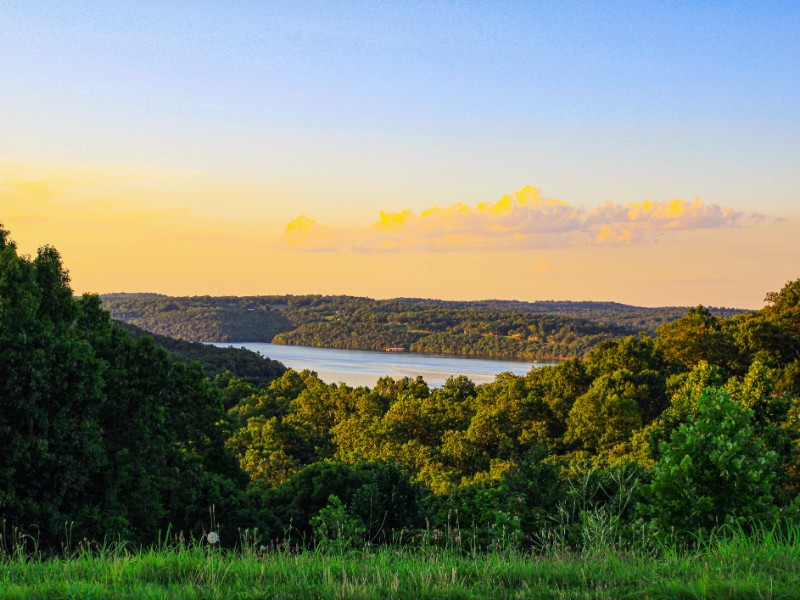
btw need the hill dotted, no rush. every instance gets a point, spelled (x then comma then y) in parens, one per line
(240, 362)
(487, 328)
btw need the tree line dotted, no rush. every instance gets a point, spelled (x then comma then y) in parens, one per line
(492, 328)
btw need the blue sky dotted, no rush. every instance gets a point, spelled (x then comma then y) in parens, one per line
(338, 110)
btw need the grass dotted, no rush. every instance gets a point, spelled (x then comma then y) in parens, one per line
(764, 565)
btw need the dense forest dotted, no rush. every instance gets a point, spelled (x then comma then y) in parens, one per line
(490, 328)
(216, 362)
(200, 319)
(675, 434)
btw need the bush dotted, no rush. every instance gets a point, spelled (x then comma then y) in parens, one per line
(334, 528)
(713, 470)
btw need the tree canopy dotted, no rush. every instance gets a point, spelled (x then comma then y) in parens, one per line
(104, 431)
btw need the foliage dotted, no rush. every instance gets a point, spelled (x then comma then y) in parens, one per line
(699, 336)
(242, 363)
(104, 431)
(539, 330)
(99, 430)
(333, 527)
(200, 318)
(713, 469)
(51, 396)
(381, 497)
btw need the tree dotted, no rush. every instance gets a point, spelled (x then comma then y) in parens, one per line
(560, 386)
(634, 354)
(784, 307)
(699, 336)
(685, 389)
(381, 496)
(50, 397)
(163, 428)
(96, 428)
(607, 414)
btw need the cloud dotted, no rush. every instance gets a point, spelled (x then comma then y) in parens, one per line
(618, 224)
(523, 220)
(306, 234)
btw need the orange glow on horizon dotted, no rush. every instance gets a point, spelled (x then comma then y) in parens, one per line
(114, 235)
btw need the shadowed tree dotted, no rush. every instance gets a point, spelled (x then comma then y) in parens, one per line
(96, 428)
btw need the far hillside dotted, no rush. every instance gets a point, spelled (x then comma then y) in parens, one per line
(640, 318)
(487, 328)
(200, 318)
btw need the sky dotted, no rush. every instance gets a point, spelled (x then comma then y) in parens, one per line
(641, 152)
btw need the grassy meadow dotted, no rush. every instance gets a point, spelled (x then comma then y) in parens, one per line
(730, 564)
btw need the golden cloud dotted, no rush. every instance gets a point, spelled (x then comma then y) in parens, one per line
(522, 220)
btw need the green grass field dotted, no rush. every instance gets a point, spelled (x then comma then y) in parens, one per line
(737, 566)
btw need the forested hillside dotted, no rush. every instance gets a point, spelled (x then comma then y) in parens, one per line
(491, 328)
(666, 437)
(638, 318)
(201, 318)
(245, 364)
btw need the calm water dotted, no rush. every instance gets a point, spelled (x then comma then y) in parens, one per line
(359, 367)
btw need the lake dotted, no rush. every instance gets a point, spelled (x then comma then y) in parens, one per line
(361, 367)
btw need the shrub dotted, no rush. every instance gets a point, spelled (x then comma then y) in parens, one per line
(334, 528)
(713, 469)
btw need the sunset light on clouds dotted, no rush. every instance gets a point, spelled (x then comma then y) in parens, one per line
(524, 220)
(640, 153)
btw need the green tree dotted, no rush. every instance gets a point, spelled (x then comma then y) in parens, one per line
(784, 308)
(335, 528)
(96, 428)
(634, 354)
(685, 389)
(50, 397)
(608, 414)
(699, 336)
(559, 386)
